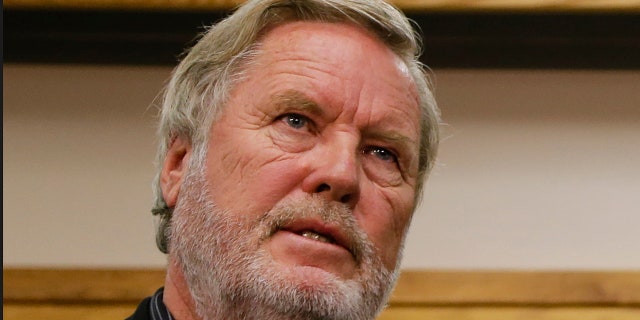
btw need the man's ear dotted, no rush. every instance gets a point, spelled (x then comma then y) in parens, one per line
(174, 169)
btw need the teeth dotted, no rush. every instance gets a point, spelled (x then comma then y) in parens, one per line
(314, 236)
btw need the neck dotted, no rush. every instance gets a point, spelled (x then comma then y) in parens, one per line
(177, 297)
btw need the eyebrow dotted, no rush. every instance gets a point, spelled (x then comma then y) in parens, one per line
(407, 145)
(296, 100)
(393, 136)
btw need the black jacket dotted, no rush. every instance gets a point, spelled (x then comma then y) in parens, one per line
(143, 312)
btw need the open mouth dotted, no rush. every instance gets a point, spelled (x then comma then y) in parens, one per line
(316, 229)
(313, 229)
(310, 234)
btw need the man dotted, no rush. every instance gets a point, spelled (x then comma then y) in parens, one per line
(295, 139)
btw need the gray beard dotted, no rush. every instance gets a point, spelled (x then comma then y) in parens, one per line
(230, 276)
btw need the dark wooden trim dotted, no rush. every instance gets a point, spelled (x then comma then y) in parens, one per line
(72, 286)
(472, 40)
(441, 5)
(101, 36)
(531, 40)
(517, 288)
(415, 288)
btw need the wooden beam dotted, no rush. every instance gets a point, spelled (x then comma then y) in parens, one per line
(517, 288)
(521, 5)
(469, 40)
(79, 285)
(510, 313)
(121, 311)
(51, 311)
(415, 287)
(437, 5)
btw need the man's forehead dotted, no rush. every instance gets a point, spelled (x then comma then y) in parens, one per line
(343, 50)
(332, 40)
(296, 36)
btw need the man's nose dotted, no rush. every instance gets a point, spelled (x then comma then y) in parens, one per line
(335, 172)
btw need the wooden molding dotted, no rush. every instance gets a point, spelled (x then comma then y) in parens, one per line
(80, 285)
(452, 39)
(517, 288)
(434, 5)
(415, 288)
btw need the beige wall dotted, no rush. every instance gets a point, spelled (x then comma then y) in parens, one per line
(538, 170)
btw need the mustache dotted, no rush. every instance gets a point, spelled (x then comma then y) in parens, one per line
(336, 214)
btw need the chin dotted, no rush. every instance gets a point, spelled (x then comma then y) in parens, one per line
(310, 277)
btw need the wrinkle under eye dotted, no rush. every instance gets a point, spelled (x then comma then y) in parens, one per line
(382, 166)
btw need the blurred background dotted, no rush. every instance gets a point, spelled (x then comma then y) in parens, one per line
(532, 211)
(538, 168)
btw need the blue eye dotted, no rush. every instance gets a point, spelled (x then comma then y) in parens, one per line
(382, 154)
(295, 121)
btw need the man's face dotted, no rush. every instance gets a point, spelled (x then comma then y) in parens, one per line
(311, 168)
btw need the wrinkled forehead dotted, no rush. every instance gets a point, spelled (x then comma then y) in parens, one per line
(339, 71)
(331, 36)
(340, 50)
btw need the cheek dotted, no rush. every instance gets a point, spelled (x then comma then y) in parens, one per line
(385, 215)
(249, 177)
(271, 183)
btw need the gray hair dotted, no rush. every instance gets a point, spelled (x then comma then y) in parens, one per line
(200, 84)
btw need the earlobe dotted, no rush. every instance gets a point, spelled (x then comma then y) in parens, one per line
(173, 170)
